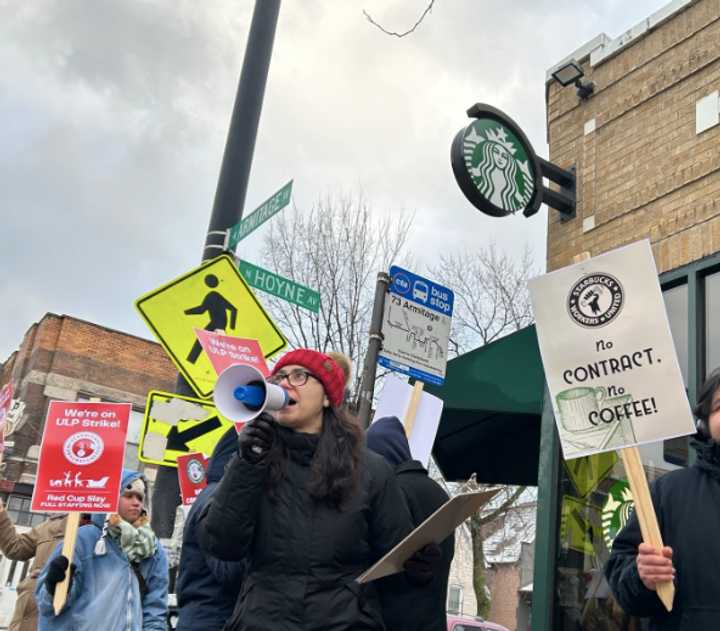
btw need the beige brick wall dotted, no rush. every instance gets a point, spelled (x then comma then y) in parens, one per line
(643, 172)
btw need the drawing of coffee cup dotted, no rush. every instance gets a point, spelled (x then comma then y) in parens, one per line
(623, 432)
(576, 404)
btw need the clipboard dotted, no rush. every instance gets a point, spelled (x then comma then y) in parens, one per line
(434, 529)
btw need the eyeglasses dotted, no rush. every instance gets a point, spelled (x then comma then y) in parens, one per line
(295, 377)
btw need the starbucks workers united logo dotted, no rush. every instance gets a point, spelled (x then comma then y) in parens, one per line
(498, 165)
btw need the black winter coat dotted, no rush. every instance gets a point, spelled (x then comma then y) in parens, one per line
(207, 588)
(408, 607)
(687, 503)
(303, 555)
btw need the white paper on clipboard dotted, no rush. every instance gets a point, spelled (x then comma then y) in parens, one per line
(433, 530)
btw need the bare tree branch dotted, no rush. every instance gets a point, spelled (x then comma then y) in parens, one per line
(394, 33)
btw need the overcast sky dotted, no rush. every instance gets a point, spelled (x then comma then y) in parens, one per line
(114, 116)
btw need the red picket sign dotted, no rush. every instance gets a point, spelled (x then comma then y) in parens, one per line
(192, 475)
(226, 350)
(81, 457)
(6, 395)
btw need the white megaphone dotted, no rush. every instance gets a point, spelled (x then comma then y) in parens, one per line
(241, 394)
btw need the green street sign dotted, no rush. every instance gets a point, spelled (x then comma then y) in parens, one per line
(260, 215)
(281, 287)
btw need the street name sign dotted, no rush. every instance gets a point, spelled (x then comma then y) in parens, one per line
(176, 425)
(213, 296)
(260, 215)
(608, 353)
(416, 326)
(280, 287)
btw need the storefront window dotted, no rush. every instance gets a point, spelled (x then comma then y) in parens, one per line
(712, 322)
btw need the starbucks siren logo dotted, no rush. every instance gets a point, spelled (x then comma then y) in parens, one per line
(498, 165)
(616, 511)
(595, 300)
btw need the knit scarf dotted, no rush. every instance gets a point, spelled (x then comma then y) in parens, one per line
(137, 542)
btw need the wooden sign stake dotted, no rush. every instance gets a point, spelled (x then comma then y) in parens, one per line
(68, 550)
(646, 514)
(411, 412)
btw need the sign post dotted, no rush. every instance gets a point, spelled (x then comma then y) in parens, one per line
(80, 467)
(614, 381)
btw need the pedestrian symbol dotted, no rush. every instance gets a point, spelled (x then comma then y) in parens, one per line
(217, 307)
(213, 296)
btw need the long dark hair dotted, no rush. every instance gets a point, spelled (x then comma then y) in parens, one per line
(336, 464)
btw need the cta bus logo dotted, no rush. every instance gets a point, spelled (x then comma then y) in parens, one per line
(401, 283)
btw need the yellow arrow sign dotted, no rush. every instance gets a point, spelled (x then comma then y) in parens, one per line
(213, 296)
(175, 425)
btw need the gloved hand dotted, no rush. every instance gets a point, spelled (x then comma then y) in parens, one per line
(256, 438)
(56, 573)
(421, 566)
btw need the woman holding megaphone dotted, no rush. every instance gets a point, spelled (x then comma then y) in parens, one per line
(307, 507)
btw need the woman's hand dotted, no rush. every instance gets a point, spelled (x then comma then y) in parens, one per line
(256, 438)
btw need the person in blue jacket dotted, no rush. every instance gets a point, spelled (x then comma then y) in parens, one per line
(207, 588)
(119, 572)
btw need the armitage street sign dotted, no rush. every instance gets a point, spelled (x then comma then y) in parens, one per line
(495, 165)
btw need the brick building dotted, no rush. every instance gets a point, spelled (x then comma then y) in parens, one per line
(64, 358)
(646, 147)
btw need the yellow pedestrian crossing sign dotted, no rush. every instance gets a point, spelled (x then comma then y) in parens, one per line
(212, 296)
(176, 425)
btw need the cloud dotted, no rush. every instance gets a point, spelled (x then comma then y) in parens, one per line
(115, 117)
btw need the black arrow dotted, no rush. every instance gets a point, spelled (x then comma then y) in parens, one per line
(177, 440)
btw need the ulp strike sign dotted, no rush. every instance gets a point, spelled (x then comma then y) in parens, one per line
(81, 457)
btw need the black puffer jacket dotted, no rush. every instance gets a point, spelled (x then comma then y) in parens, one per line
(687, 503)
(207, 588)
(303, 555)
(408, 607)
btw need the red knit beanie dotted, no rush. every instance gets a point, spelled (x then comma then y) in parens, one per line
(323, 367)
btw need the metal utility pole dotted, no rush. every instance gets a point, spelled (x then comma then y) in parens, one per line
(367, 388)
(229, 201)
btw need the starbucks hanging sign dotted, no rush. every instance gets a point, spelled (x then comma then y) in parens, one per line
(495, 165)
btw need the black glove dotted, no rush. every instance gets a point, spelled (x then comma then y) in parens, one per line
(256, 438)
(421, 566)
(56, 573)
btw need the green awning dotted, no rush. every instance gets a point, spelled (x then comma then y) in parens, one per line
(493, 400)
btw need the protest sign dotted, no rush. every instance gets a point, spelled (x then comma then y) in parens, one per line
(435, 529)
(81, 457)
(192, 475)
(6, 395)
(225, 350)
(80, 467)
(608, 354)
(396, 399)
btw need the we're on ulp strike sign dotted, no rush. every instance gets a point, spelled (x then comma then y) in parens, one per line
(81, 458)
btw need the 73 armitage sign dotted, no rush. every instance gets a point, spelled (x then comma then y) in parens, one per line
(495, 165)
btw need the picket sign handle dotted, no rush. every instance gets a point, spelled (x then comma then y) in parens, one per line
(68, 550)
(646, 514)
(411, 412)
